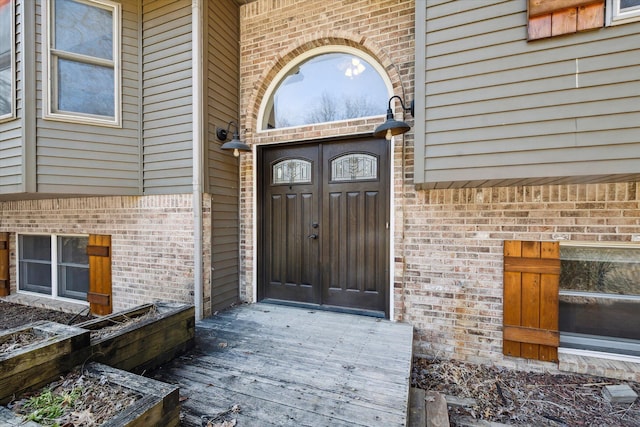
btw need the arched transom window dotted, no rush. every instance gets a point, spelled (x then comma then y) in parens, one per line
(326, 87)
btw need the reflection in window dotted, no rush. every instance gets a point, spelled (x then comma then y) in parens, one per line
(83, 60)
(326, 88)
(292, 171)
(354, 167)
(600, 298)
(6, 59)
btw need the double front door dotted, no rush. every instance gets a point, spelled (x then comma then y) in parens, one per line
(324, 224)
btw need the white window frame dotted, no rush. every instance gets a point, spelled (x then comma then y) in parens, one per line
(12, 98)
(615, 17)
(54, 268)
(48, 87)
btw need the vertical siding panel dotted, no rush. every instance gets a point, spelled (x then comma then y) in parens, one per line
(222, 62)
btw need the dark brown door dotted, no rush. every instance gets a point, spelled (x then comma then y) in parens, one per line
(324, 219)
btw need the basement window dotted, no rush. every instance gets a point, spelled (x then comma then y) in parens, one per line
(52, 265)
(600, 298)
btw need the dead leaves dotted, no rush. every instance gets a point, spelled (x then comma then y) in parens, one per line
(518, 397)
(222, 419)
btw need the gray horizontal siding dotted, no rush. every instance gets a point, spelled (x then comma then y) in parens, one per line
(11, 150)
(167, 92)
(86, 159)
(498, 110)
(10, 157)
(222, 168)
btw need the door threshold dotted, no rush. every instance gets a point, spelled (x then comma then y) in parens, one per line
(322, 307)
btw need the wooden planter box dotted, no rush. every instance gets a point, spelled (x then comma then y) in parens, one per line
(158, 406)
(39, 363)
(145, 344)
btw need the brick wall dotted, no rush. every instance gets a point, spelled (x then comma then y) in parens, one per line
(273, 33)
(455, 298)
(447, 244)
(152, 240)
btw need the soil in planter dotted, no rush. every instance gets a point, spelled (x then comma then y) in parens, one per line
(21, 339)
(124, 323)
(13, 315)
(79, 400)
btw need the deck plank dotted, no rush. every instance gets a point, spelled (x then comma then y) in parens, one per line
(287, 366)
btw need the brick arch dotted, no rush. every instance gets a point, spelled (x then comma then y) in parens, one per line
(310, 42)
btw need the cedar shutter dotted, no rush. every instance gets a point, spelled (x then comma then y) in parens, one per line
(99, 295)
(5, 287)
(531, 283)
(549, 18)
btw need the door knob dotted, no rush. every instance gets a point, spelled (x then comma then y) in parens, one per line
(312, 236)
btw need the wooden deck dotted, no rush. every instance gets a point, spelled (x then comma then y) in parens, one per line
(287, 366)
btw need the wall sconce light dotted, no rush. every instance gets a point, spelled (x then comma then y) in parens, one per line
(235, 144)
(391, 126)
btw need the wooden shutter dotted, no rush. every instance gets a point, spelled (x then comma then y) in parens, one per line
(531, 281)
(5, 287)
(99, 295)
(549, 18)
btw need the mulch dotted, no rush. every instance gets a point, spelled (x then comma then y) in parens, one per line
(525, 398)
(13, 315)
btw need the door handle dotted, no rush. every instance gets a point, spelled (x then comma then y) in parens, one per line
(312, 236)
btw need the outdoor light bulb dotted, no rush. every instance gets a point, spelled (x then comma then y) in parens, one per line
(388, 135)
(236, 153)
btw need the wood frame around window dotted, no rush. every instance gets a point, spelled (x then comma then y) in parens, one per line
(548, 18)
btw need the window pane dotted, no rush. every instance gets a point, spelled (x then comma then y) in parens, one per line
(84, 29)
(73, 267)
(330, 87)
(626, 4)
(35, 248)
(73, 250)
(601, 269)
(292, 171)
(85, 88)
(35, 264)
(354, 167)
(6, 63)
(609, 317)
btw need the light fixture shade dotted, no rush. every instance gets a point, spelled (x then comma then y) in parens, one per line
(391, 126)
(235, 144)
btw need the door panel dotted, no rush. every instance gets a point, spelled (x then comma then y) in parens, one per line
(290, 258)
(354, 216)
(323, 231)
